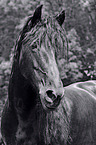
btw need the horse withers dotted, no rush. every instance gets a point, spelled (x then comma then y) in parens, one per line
(39, 110)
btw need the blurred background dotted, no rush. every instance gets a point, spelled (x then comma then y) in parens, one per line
(80, 26)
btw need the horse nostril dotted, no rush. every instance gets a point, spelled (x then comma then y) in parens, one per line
(50, 94)
(52, 100)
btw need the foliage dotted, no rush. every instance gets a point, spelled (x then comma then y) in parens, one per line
(81, 64)
(82, 61)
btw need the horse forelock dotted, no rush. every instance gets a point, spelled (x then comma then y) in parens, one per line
(50, 33)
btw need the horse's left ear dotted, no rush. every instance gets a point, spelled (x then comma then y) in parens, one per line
(61, 17)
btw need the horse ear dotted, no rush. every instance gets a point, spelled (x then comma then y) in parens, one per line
(37, 15)
(32, 21)
(61, 17)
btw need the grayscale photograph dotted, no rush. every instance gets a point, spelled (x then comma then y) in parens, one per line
(47, 72)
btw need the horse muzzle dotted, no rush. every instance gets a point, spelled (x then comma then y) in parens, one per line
(51, 97)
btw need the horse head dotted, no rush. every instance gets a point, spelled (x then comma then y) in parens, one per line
(41, 42)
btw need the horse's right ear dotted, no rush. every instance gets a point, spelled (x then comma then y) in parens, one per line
(32, 21)
(37, 15)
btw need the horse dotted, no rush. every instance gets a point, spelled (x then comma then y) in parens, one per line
(39, 109)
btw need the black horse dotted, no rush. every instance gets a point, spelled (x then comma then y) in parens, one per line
(39, 110)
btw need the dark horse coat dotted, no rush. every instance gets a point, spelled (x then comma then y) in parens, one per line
(39, 110)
